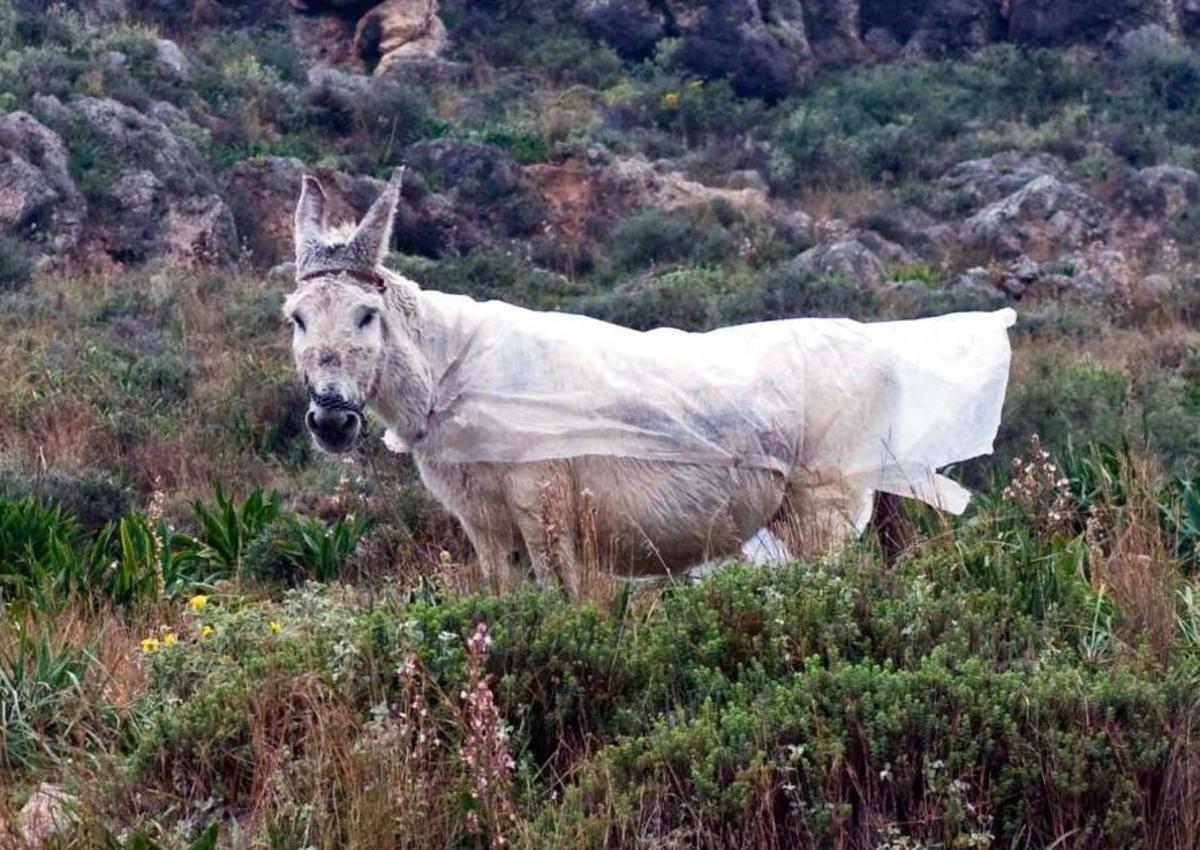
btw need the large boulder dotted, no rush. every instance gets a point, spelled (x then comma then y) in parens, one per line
(397, 31)
(576, 194)
(1041, 219)
(956, 26)
(1162, 191)
(762, 47)
(483, 185)
(149, 189)
(629, 27)
(972, 184)
(371, 36)
(859, 256)
(38, 199)
(47, 814)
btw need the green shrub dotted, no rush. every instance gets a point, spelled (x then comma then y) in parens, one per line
(1064, 402)
(784, 293)
(577, 60)
(226, 529)
(652, 237)
(296, 549)
(490, 274)
(48, 702)
(92, 498)
(684, 298)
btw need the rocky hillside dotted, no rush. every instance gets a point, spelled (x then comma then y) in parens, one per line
(652, 163)
(174, 132)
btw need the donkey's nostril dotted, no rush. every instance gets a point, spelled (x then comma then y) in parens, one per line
(335, 429)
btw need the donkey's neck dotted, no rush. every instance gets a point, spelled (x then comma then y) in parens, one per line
(446, 325)
(420, 377)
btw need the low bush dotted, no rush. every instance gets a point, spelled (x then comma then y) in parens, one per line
(652, 237)
(783, 293)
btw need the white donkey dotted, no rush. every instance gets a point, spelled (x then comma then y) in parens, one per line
(678, 447)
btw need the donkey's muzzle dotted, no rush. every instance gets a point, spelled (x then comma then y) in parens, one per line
(336, 429)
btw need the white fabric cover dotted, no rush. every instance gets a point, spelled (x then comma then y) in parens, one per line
(878, 406)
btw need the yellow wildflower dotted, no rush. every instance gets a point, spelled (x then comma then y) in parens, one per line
(275, 626)
(169, 639)
(197, 602)
(445, 557)
(671, 99)
(149, 644)
(206, 631)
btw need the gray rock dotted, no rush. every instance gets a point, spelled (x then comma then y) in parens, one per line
(956, 26)
(171, 59)
(1162, 191)
(746, 178)
(1148, 40)
(160, 201)
(860, 256)
(49, 812)
(972, 184)
(1040, 219)
(795, 227)
(1153, 290)
(38, 198)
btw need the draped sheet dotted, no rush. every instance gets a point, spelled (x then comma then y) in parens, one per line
(874, 406)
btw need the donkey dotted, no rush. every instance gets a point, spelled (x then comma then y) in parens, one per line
(366, 338)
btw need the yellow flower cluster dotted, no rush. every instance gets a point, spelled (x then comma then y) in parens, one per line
(197, 602)
(275, 626)
(671, 99)
(151, 643)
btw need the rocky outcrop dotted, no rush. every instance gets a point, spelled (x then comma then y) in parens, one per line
(858, 256)
(150, 191)
(761, 47)
(1162, 191)
(1041, 219)
(378, 39)
(397, 31)
(38, 198)
(972, 184)
(575, 193)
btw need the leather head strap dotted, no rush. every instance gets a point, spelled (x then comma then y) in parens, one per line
(374, 279)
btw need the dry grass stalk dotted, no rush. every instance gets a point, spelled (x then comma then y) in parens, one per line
(1129, 556)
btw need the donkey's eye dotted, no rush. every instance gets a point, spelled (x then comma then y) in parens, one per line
(366, 319)
(297, 321)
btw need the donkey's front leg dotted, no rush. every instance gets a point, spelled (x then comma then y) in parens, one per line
(543, 507)
(497, 549)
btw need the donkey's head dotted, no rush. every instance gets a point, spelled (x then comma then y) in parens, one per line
(351, 336)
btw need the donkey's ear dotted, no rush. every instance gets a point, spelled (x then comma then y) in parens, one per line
(310, 215)
(374, 234)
